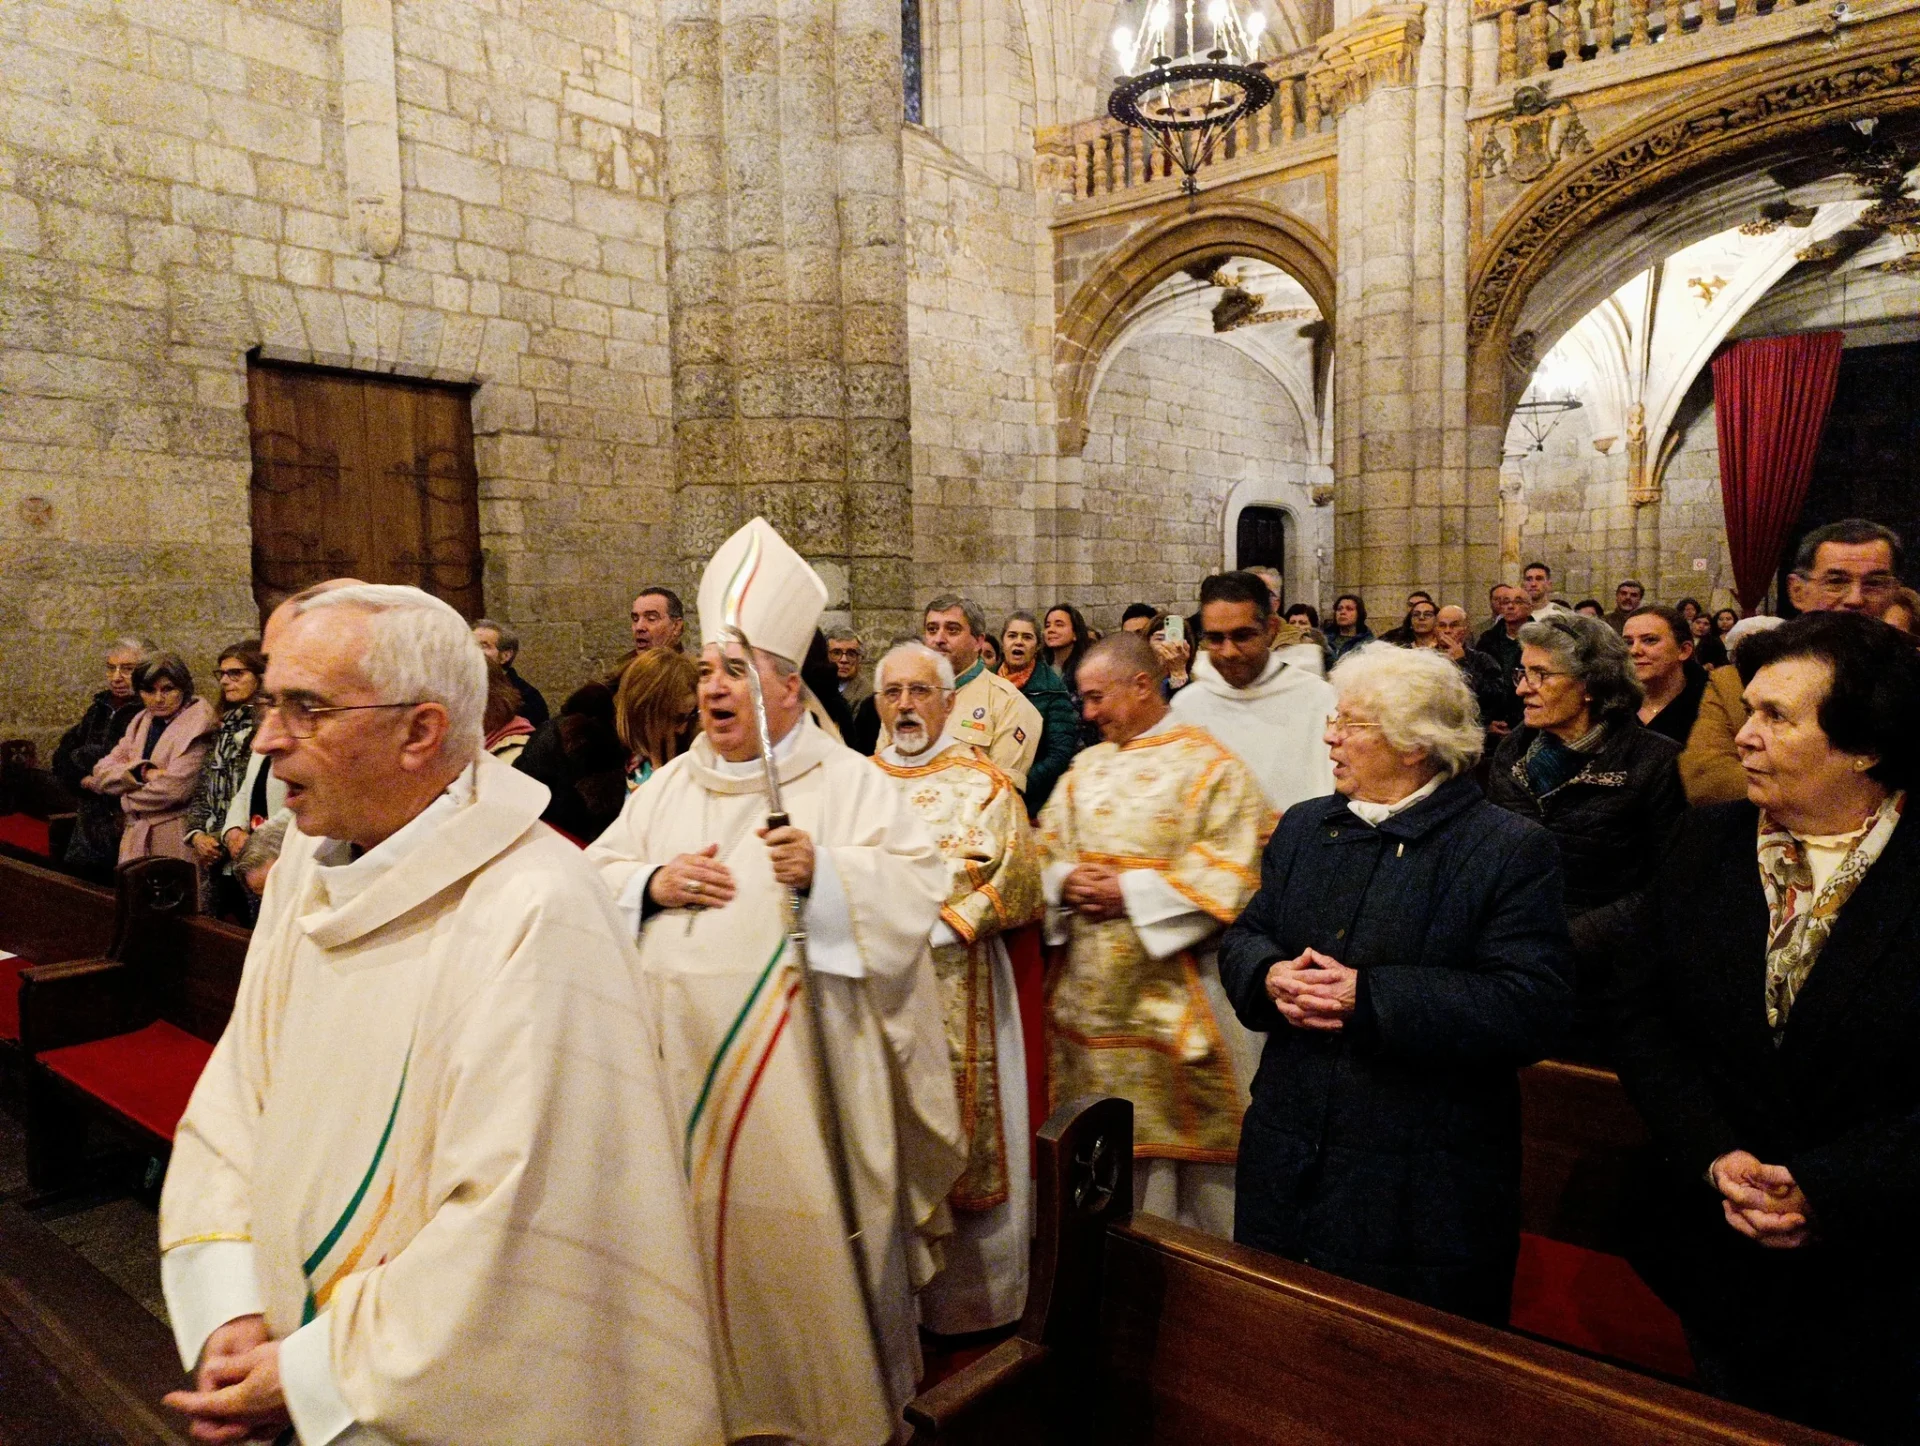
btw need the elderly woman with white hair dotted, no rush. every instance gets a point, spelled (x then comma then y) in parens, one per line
(1406, 954)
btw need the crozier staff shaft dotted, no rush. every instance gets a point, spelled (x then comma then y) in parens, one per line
(822, 1063)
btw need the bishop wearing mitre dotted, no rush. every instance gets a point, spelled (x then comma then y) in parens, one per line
(424, 1189)
(807, 1349)
(1150, 847)
(978, 820)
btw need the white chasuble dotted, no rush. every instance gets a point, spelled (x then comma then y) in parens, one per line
(980, 823)
(791, 1335)
(433, 1147)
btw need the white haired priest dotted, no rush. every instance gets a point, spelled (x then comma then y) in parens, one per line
(977, 817)
(424, 1190)
(706, 883)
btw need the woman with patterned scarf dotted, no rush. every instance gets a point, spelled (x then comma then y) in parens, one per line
(1607, 788)
(1769, 1031)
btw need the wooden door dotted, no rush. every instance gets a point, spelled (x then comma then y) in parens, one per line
(362, 476)
(1261, 539)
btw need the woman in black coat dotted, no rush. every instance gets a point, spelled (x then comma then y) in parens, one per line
(1767, 1032)
(1605, 787)
(1405, 955)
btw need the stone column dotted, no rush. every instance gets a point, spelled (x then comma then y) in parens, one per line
(787, 293)
(1406, 514)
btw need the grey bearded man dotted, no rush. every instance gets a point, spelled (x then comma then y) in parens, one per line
(976, 816)
(706, 883)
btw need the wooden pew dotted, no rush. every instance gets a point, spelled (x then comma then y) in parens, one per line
(1140, 1332)
(81, 1362)
(121, 1040)
(45, 917)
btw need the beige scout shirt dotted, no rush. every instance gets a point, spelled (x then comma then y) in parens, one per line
(991, 713)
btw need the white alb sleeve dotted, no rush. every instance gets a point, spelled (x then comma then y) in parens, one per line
(1053, 879)
(1163, 917)
(632, 899)
(831, 946)
(321, 1415)
(207, 1284)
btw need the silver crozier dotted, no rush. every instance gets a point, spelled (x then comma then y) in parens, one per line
(822, 1062)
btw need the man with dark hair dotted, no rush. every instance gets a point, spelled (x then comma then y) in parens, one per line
(1537, 580)
(658, 619)
(1850, 566)
(501, 644)
(1138, 618)
(1260, 704)
(1626, 601)
(1847, 566)
(988, 712)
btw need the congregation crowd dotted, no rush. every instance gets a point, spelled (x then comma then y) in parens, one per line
(1313, 898)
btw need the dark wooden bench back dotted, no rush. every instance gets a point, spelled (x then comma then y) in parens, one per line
(1140, 1331)
(1579, 1136)
(48, 917)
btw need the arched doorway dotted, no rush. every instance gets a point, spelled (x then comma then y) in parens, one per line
(1260, 540)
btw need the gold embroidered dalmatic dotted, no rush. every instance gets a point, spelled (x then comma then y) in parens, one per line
(980, 824)
(1120, 1022)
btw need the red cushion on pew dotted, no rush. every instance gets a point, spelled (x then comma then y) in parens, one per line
(146, 1076)
(23, 831)
(10, 967)
(1595, 1302)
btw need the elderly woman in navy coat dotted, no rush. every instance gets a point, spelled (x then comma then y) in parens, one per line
(1407, 953)
(1769, 1032)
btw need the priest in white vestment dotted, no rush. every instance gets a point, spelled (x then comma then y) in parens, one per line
(705, 883)
(977, 818)
(424, 1190)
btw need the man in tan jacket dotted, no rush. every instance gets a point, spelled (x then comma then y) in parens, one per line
(988, 711)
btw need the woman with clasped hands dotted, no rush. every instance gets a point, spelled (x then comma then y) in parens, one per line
(1769, 1031)
(1407, 952)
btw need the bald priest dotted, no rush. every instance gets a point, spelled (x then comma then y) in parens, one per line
(424, 1190)
(705, 882)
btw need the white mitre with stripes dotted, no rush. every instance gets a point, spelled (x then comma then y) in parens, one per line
(760, 585)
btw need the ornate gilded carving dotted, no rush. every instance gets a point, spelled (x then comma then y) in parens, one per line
(1539, 134)
(1380, 48)
(1627, 168)
(1776, 214)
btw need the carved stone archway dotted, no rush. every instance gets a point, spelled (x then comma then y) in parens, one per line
(1703, 130)
(1098, 311)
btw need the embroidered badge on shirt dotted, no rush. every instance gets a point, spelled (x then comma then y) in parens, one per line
(979, 713)
(1019, 735)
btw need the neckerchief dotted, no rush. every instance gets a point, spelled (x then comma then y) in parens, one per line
(1798, 922)
(1550, 763)
(1019, 679)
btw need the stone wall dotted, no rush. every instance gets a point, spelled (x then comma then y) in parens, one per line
(1177, 423)
(977, 335)
(173, 193)
(1578, 521)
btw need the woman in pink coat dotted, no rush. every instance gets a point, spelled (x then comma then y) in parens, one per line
(154, 767)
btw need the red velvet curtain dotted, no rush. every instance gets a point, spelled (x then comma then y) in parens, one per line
(1770, 397)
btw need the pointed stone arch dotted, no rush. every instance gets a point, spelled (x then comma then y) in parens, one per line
(1098, 312)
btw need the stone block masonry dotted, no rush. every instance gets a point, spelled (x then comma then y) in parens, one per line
(175, 193)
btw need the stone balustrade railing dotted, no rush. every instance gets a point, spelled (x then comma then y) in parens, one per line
(1536, 36)
(1102, 158)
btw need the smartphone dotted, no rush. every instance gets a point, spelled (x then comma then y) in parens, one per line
(1174, 630)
